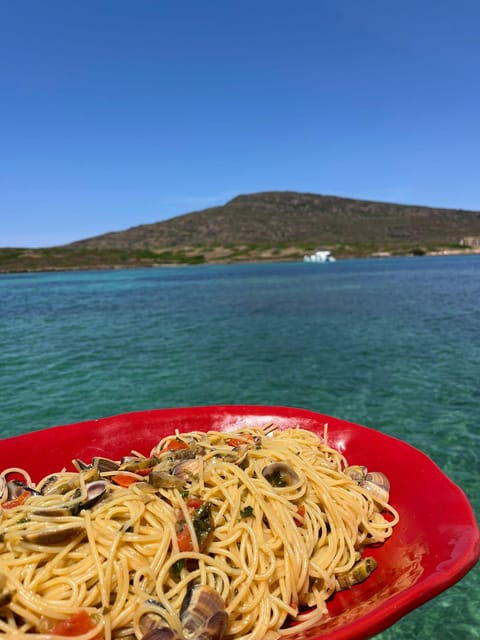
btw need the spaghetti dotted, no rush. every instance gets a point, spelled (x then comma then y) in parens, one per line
(272, 524)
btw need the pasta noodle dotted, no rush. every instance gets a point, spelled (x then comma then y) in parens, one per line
(274, 522)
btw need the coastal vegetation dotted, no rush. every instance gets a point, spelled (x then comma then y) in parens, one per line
(270, 226)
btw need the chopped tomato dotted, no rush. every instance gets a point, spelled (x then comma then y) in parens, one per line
(15, 502)
(243, 439)
(202, 522)
(194, 503)
(184, 539)
(124, 480)
(301, 514)
(294, 605)
(77, 624)
(175, 445)
(143, 472)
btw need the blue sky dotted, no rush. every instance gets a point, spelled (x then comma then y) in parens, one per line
(116, 113)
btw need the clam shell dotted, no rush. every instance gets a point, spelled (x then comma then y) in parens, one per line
(279, 474)
(95, 492)
(357, 472)
(378, 478)
(104, 464)
(378, 493)
(187, 468)
(203, 614)
(16, 487)
(358, 573)
(80, 465)
(162, 633)
(53, 537)
(164, 480)
(135, 464)
(378, 485)
(3, 489)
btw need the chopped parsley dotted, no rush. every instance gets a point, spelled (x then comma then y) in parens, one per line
(177, 567)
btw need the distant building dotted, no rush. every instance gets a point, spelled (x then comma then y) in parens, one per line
(472, 241)
(319, 256)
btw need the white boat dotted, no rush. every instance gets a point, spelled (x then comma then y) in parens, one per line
(319, 256)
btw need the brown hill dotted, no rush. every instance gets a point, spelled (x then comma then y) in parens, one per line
(289, 218)
(264, 227)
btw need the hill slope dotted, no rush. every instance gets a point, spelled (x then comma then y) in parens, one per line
(298, 218)
(264, 226)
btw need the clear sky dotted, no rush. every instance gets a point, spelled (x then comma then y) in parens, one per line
(115, 113)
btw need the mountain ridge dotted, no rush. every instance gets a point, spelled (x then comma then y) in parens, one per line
(294, 217)
(265, 226)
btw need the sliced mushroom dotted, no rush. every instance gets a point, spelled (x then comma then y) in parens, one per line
(279, 474)
(203, 614)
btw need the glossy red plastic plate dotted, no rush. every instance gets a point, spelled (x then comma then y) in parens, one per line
(435, 544)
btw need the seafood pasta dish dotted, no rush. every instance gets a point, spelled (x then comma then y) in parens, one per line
(211, 535)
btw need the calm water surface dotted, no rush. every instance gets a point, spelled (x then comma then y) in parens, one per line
(393, 344)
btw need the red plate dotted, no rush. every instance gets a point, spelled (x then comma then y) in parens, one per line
(435, 544)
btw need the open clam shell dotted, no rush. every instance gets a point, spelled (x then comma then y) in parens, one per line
(378, 485)
(162, 633)
(280, 474)
(54, 536)
(203, 614)
(11, 489)
(95, 491)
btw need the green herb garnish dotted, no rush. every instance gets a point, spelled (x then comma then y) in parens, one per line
(177, 567)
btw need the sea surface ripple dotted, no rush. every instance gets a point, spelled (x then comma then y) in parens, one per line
(392, 344)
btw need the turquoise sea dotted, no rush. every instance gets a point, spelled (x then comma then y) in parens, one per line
(393, 344)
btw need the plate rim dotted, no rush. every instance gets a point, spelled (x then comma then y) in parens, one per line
(386, 612)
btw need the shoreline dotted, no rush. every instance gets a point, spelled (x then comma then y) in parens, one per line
(185, 260)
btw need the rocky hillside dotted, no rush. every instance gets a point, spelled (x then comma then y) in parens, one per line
(264, 227)
(298, 218)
